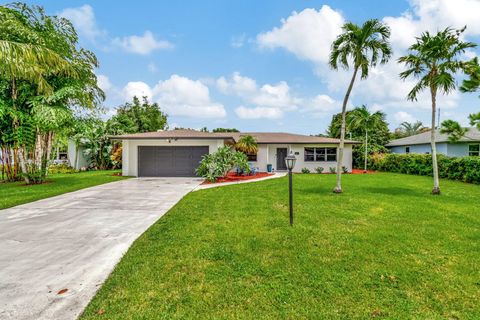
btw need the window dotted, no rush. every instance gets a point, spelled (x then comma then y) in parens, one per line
(252, 157)
(320, 154)
(407, 150)
(474, 150)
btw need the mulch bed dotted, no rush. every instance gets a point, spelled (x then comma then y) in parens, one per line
(360, 171)
(232, 177)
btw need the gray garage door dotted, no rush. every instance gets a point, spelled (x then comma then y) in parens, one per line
(156, 161)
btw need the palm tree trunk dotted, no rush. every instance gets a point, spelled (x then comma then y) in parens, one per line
(366, 150)
(338, 187)
(436, 183)
(21, 149)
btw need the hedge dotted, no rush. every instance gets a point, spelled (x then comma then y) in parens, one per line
(466, 169)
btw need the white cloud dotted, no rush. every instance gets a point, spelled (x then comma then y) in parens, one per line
(152, 67)
(258, 113)
(403, 116)
(181, 96)
(104, 82)
(83, 19)
(143, 45)
(307, 34)
(238, 41)
(138, 89)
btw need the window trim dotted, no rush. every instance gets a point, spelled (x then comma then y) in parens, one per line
(325, 154)
(407, 149)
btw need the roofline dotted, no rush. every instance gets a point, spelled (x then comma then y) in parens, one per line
(166, 138)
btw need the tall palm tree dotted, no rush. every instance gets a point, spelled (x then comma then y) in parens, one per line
(362, 119)
(434, 60)
(362, 47)
(412, 128)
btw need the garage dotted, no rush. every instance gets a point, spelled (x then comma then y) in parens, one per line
(171, 161)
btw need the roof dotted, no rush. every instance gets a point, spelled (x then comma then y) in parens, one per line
(472, 135)
(262, 137)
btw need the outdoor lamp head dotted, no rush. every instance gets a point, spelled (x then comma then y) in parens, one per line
(290, 161)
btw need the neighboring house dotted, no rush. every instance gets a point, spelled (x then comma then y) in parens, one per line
(75, 156)
(178, 152)
(468, 145)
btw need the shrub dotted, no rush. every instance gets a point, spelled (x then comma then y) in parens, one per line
(332, 170)
(305, 170)
(61, 168)
(466, 169)
(344, 169)
(319, 169)
(218, 164)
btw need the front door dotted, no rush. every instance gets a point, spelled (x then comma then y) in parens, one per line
(281, 155)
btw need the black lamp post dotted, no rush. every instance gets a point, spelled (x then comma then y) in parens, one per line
(290, 162)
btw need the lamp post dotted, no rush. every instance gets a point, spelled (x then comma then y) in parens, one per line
(290, 162)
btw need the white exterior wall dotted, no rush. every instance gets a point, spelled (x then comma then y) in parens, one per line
(130, 150)
(267, 154)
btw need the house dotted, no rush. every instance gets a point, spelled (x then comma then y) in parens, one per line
(468, 145)
(178, 152)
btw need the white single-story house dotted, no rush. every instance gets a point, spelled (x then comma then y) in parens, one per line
(178, 152)
(468, 145)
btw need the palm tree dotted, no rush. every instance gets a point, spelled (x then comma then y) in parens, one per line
(247, 144)
(411, 129)
(364, 47)
(433, 60)
(362, 119)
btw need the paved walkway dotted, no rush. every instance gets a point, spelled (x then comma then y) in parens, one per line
(73, 242)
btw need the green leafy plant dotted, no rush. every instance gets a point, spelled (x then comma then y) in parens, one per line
(344, 169)
(218, 164)
(319, 169)
(332, 170)
(61, 168)
(305, 170)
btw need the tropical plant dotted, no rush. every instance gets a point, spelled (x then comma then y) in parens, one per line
(319, 169)
(364, 47)
(305, 170)
(218, 164)
(472, 69)
(137, 117)
(361, 118)
(225, 130)
(332, 169)
(453, 129)
(247, 144)
(407, 129)
(475, 119)
(434, 59)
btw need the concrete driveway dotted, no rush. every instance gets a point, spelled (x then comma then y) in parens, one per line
(73, 242)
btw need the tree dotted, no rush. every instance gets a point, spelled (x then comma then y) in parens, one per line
(407, 129)
(247, 144)
(434, 60)
(225, 130)
(453, 129)
(475, 120)
(362, 119)
(364, 47)
(136, 117)
(472, 84)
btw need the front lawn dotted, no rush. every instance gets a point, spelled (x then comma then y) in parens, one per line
(385, 248)
(13, 194)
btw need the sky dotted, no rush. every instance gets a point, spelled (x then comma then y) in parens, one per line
(259, 65)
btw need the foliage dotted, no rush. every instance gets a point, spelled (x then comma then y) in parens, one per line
(218, 164)
(136, 117)
(61, 168)
(247, 144)
(332, 169)
(344, 169)
(116, 158)
(466, 169)
(305, 170)
(475, 119)
(96, 143)
(225, 130)
(407, 129)
(319, 169)
(472, 69)
(453, 129)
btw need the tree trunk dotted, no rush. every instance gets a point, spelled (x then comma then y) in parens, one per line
(366, 150)
(338, 187)
(436, 182)
(21, 148)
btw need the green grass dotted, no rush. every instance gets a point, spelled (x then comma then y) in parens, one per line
(15, 193)
(383, 249)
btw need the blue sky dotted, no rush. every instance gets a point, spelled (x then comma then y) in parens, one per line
(257, 65)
